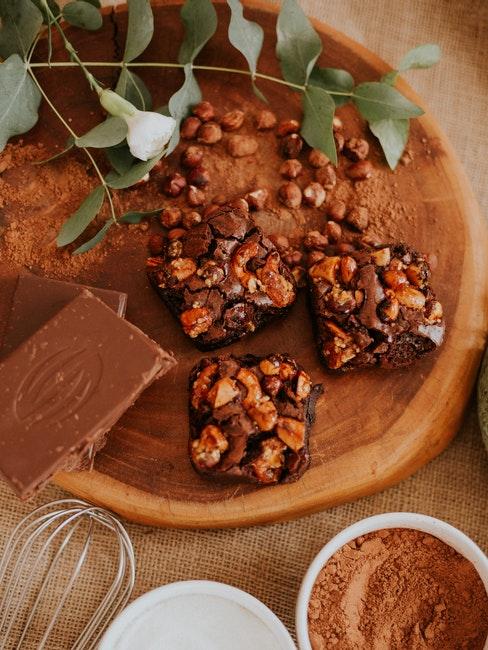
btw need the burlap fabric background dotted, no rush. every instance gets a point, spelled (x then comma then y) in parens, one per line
(269, 562)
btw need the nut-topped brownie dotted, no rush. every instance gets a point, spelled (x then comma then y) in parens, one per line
(222, 278)
(250, 418)
(374, 306)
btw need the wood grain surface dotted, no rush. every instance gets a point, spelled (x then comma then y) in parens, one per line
(373, 427)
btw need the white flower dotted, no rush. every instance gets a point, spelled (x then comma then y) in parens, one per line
(148, 133)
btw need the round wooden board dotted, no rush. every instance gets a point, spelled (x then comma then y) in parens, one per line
(373, 428)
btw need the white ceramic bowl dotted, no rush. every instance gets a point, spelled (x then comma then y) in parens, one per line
(445, 532)
(140, 610)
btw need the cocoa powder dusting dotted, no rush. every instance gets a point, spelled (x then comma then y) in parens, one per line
(398, 589)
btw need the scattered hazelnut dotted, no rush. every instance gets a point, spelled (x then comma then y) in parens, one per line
(190, 127)
(192, 156)
(173, 184)
(359, 171)
(356, 149)
(334, 231)
(326, 176)
(348, 267)
(336, 210)
(240, 204)
(191, 219)
(290, 195)
(315, 240)
(358, 218)
(170, 217)
(293, 258)
(198, 176)
(285, 127)
(317, 158)
(314, 195)
(265, 120)
(175, 247)
(344, 247)
(257, 199)
(291, 168)
(314, 256)
(281, 242)
(156, 243)
(205, 111)
(210, 210)
(209, 133)
(176, 233)
(195, 197)
(232, 120)
(219, 199)
(291, 145)
(239, 146)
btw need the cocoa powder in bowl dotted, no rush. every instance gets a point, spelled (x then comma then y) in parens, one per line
(398, 589)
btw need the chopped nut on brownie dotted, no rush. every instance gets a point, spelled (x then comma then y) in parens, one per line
(374, 306)
(250, 418)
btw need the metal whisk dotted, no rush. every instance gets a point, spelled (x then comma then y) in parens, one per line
(42, 562)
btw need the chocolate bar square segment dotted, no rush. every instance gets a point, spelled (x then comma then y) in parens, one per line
(374, 307)
(250, 418)
(222, 279)
(37, 299)
(65, 387)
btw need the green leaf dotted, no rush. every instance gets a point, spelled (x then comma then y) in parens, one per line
(137, 217)
(423, 56)
(140, 28)
(19, 99)
(181, 102)
(379, 101)
(134, 174)
(390, 77)
(82, 14)
(53, 6)
(120, 158)
(131, 87)
(259, 93)
(393, 137)
(245, 35)
(333, 81)
(69, 145)
(318, 114)
(106, 134)
(91, 243)
(21, 22)
(298, 45)
(95, 3)
(483, 399)
(81, 219)
(200, 20)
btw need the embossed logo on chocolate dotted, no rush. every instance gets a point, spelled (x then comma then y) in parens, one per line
(56, 388)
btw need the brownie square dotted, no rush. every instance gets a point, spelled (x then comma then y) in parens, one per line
(222, 279)
(250, 418)
(374, 306)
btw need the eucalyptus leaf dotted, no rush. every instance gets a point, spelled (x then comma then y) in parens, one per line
(390, 77)
(134, 174)
(120, 158)
(69, 145)
(298, 46)
(483, 399)
(140, 28)
(106, 134)
(259, 93)
(21, 22)
(379, 101)
(333, 81)
(245, 35)
(53, 6)
(19, 99)
(131, 87)
(200, 20)
(318, 114)
(82, 14)
(137, 217)
(422, 56)
(181, 103)
(81, 219)
(99, 237)
(393, 137)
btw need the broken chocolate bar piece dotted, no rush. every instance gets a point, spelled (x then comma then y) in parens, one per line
(65, 387)
(37, 299)
(250, 418)
(222, 279)
(374, 306)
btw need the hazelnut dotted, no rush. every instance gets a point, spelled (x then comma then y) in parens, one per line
(240, 204)
(326, 176)
(285, 127)
(232, 120)
(239, 146)
(339, 140)
(170, 217)
(156, 243)
(173, 184)
(195, 197)
(433, 311)
(281, 242)
(257, 199)
(292, 258)
(334, 231)
(219, 199)
(176, 233)
(317, 158)
(291, 168)
(314, 195)
(359, 171)
(356, 149)
(388, 310)
(395, 279)
(192, 156)
(265, 120)
(272, 385)
(190, 127)
(210, 210)
(337, 124)
(191, 219)
(290, 195)
(314, 256)
(348, 268)
(358, 218)
(198, 176)
(205, 111)
(291, 145)
(175, 248)
(209, 133)
(410, 298)
(336, 210)
(343, 247)
(211, 273)
(315, 240)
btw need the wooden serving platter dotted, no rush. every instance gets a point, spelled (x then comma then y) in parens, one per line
(373, 428)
